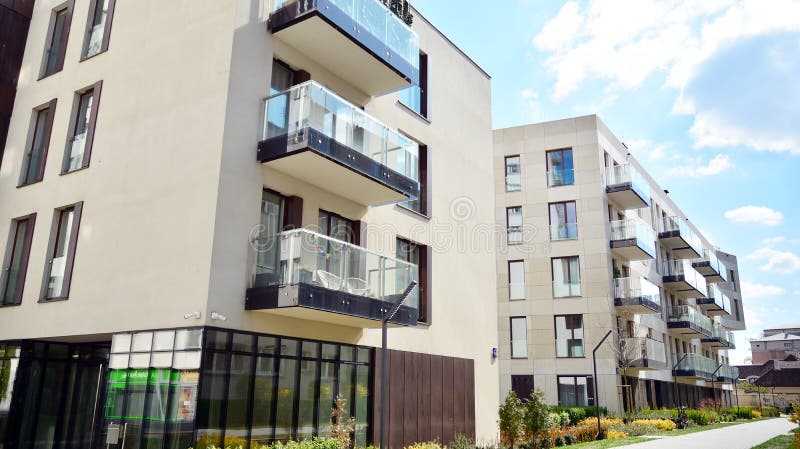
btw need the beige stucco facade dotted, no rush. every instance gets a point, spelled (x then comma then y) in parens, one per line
(594, 147)
(173, 189)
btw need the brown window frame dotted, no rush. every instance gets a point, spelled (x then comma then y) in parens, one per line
(570, 277)
(568, 319)
(425, 180)
(50, 107)
(511, 336)
(505, 171)
(515, 261)
(69, 8)
(23, 265)
(590, 393)
(423, 86)
(93, 5)
(96, 89)
(425, 280)
(70, 257)
(355, 226)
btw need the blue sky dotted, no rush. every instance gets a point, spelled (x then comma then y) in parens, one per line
(707, 95)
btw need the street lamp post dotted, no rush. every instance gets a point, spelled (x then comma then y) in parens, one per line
(385, 353)
(677, 391)
(596, 390)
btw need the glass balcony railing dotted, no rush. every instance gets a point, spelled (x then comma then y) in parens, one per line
(709, 265)
(77, 147)
(516, 291)
(634, 228)
(313, 114)
(560, 177)
(563, 231)
(682, 271)
(727, 373)
(566, 289)
(373, 17)
(627, 174)
(305, 257)
(672, 227)
(513, 182)
(514, 235)
(696, 365)
(718, 298)
(637, 287)
(691, 315)
(646, 349)
(724, 335)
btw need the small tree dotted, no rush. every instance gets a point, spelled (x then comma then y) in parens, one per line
(628, 350)
(536, 413)
(343, 426)
(510, 420)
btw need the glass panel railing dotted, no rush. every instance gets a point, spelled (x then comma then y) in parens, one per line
(675, 268)
(720, 298)
(634, 228)
(720, 332)
(564, 231)
(514, 235)
(76, 150)
(305, 257)
(560, 177)
(566, 289)
(710, 258)
(646, 348)
(309, 105)
(637, 287)
(728, 372)
(516, 291)
(697, 363)
(690, 314)
(513, 182)
(678, 224)
(624, 174)
(374, 17)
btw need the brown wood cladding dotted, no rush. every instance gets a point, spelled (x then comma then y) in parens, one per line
(15, 17)
(431, 398)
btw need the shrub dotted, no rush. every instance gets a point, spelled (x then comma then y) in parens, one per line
(536, 415)
(756, 414)
(744, 412)
(316, 443)
(637, 428)
(663, 425)
(343, 425)
(428, 445)
(574, 414)
(698, 417)
(461, 441)
(663, 413)
(604, 422)
(709, 403)
(795, 415)
(770, 412)
(510, 420)
(585, 433)
(615, 434)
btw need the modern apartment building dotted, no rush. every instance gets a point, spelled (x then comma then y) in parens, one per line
(210, 207)
(595, 245)
(776, 344)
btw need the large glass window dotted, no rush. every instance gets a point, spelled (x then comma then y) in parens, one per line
(519, 338)
(513, 181)
(416, 97)
(514, 225)
(566, 277)
(563, 221)
(560, 170)
(101, 12)
(79, 144)
(35, 157)
(420, 205)
(416, 254)
(56, 41)
(62, 253)
(12, 279)
(569, 336)
(573, 391)
(516, 280)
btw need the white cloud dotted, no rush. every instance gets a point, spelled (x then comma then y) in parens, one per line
(755, 214)
(753, 317)
(772, 241)
(643, 147)
(782, 262)
(752, 290)
(693, 167)
(712, 130)
(531, 100)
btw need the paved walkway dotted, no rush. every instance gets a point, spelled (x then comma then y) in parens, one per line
(740, 436)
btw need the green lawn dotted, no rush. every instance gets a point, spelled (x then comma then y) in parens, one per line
(779, 442)
(605, 444)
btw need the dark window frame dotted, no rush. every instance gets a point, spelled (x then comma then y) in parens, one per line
(68, 8)
(511, 335)
(505, 167)
(569, 319)
(425, 279)
(548, 169)
(569, 276)
(590, 393)
(355, 226)
(425, 180)
(96, 90)
(565, 204)
(93, 5)
(50, 107)
(424, 92)
(23, 264)
(69, 263)
(528, 379)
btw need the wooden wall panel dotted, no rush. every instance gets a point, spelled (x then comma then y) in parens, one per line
(15, 17)
(437, 412)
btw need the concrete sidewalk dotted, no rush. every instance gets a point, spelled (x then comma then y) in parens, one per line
(741, 436)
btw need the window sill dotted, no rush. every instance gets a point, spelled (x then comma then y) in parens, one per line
(416, 114)
(513, 191)
(560, 185)
(63, 173)
(86, 58)
(41, 77)
(568, 358)
(29, 183)
(519, 358)
(49, 300)
(516, 300)
(7, 306)
(413, 212)
(568, 297)
(564, 240)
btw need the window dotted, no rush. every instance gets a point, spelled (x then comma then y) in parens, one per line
(419, 255)
(513, 181)
(81, 133)
(421, 204)
(560, 171)
(57, 35)
(337, 227)
(516, 280)
(35, 157)
(575, 391)
(514, 223)
(519, 338)
(732, 277)
(12, 278)
(522, 385)
(282, 77)
(566, 277)
(563, 221)
(61, 252)
(416, 97)
(98, 27)
(569, 336)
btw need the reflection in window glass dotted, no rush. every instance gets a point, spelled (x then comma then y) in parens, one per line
(569, 336)
(306, 421)
(236, 427)
(284, 422)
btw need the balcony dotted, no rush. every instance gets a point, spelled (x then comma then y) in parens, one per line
(688, 321)
(305, 275)
(636, 296)
(632, 239)
(709, 266)
(675, 234)
(360, 41)
(720, 338)
(715, 303)
(560, 177)
(695, 366)
(727, 374)
(514, 235)
(644, 353)
(312, 134)
(563, 231)
(626, 187)
(680, 277)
